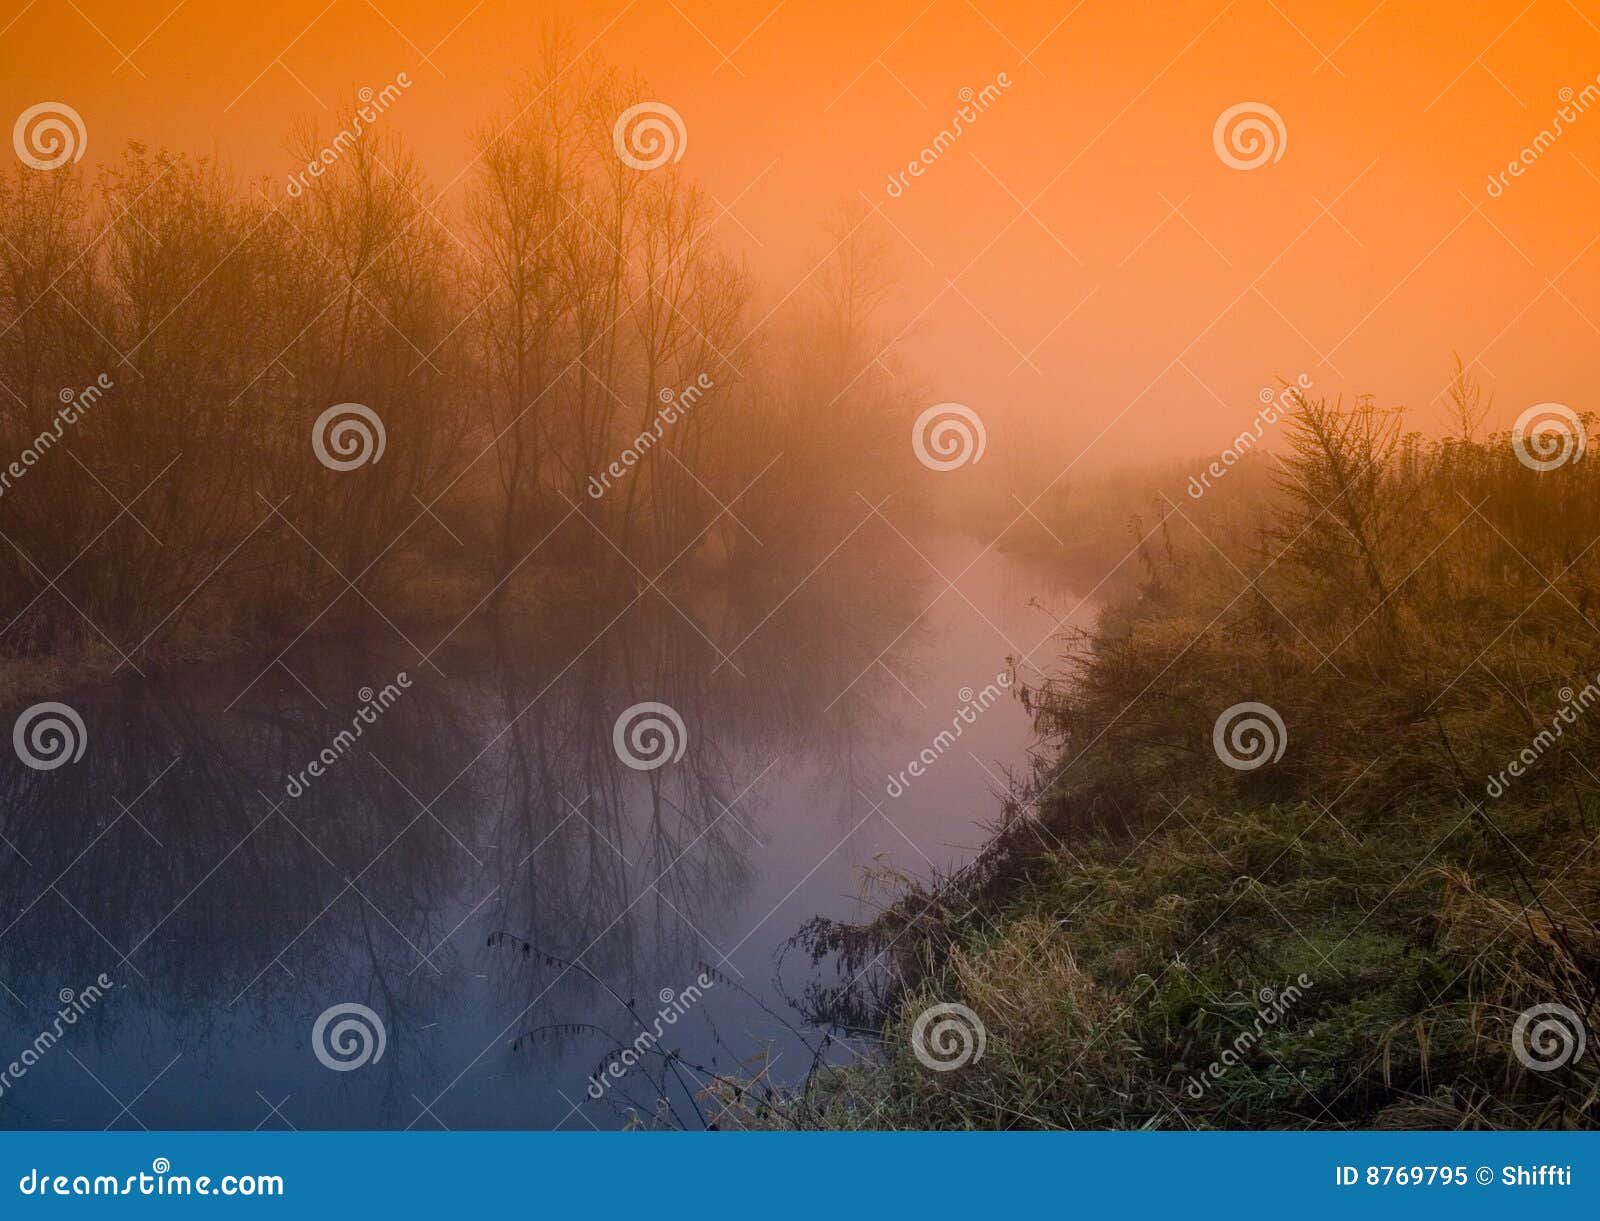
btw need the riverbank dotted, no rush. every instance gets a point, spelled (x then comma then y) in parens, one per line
(1316, 845)
(1238, 968)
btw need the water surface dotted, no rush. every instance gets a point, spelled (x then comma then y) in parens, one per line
(480, 869)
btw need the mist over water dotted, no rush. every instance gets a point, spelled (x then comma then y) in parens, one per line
(492, 806)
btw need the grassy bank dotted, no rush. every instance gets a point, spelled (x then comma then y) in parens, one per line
(1344, 934)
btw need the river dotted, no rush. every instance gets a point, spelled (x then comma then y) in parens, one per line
(489, 868)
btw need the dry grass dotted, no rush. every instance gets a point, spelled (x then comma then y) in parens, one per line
(1415, 612)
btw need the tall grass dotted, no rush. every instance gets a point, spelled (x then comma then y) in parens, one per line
(1417, 612)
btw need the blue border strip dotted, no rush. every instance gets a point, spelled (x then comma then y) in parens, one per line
(665, 1175)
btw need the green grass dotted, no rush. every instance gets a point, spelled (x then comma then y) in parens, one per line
(1413, 612)
(1114, 974)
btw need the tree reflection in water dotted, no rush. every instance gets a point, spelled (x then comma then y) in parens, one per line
(487, 797)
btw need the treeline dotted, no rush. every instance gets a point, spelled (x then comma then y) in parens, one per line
(1407, 605)
(511, 337)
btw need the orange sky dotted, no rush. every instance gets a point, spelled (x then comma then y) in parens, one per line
(1061, 196)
